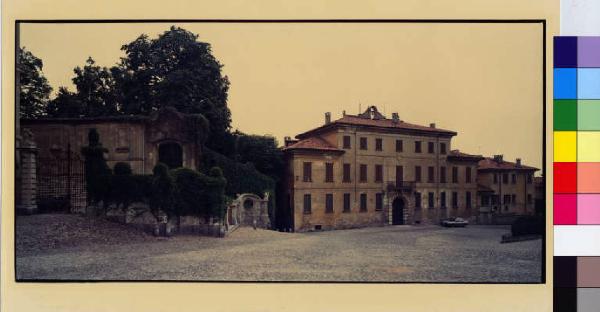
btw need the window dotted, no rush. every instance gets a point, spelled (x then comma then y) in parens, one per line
(363, 202)
(514, 179)
(443, 199)
(430, 174)
(417, 146)
(454, 200)
(529, 199)
(307, 204)
(378, 173)
(379, 144)
(505, 178)
(418, 174)
(417, 200)
(307, 169)
(443, 148)
(363, 143)
(347, 144)
(346, 173)
(328, 203)
(513, 199)
(378, 201)
(454, 174)
(328, 172)
(468, 174)
(363, 173)
(443, 174)
(399, 147)
(495, 178)
(399, 174)
(468, 199)
(346, 202)
(506, 199)
(530, 178)
(430, 199)
(430, 147)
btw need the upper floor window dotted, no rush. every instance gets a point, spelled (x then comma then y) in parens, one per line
(514, 179)
(399, 147)
(443, 199)
(454, 174)
(430, 148)
(399, 173)
(417, 173)
(328, 172)
(505, 178)
(417, 146)
(530, 178)
(346, 173)
(307, 172)
(363, 144)
(443, 148)
(495, 178)
(442, 174)
(363, 173)
(347, 144)
(379, 144)
(430, 174)
(468, 174)
(378, 173)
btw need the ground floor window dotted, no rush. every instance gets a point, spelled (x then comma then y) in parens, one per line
(431, 200)
(454, 200)
(307, 204)
(468, 200)
(328, 203)
(443, 199)
(363, 202)
(346, 202)
(379, 201)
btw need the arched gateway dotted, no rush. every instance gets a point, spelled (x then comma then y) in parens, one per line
(398, 206)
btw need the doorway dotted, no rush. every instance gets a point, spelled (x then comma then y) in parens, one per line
(170, 154)
(398, 211)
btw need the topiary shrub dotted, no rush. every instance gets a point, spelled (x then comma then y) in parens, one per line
(97, 172)
(528, 225)
(122, 186)
(163, 192)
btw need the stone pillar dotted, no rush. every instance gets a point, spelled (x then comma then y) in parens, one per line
(27, 203)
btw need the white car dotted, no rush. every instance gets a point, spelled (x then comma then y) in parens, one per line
(455, 222)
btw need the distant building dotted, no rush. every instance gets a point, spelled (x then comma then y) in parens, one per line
(366, 169)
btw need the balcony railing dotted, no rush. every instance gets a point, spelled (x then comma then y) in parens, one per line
(402, 186)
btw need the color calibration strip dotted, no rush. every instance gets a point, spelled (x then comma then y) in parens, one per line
(576, 174)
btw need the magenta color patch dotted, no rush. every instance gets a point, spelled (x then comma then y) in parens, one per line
(588, 52)
(565, 209)
(588, 209)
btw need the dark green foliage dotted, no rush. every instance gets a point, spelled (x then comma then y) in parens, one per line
(175, 70)
(34, 90)
(260, 150)
(65, 105)
(163, 192)
(122, 168)
(528, 225)
(97, 172)
(200, 195)
(122, 185)
(215, 191)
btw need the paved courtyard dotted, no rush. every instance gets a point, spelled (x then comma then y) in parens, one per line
(75, 248)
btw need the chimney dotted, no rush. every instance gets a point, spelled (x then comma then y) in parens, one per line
(518, 162)
(395, 118)
(287, 141)
(498, 158)
(344, 113)
(327, 118)
(432, 125)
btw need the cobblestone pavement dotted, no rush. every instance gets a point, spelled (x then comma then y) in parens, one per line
(382, 254)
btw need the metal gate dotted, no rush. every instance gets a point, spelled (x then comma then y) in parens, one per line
(61, 182)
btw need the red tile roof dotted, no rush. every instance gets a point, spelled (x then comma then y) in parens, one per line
(459, 154)
(389, 124)
(491, 164)
(313, 143)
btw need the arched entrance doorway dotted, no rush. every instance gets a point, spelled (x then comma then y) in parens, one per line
(398, 211)
(171, 155)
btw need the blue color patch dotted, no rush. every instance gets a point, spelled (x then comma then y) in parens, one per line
(565, 83)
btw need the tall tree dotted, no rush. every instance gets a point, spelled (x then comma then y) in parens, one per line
(176, 70)
(95, 90)
(66, 104)
(34, 90)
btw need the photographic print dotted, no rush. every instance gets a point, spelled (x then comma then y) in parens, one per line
(280, 151)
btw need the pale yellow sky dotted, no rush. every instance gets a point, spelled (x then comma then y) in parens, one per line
(482, 80)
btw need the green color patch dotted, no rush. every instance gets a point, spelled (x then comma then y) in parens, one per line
(565, 114)
(588, 114)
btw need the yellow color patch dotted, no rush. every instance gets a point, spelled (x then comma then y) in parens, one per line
(565, 146)
(588, 146)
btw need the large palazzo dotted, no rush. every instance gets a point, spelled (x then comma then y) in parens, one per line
(366, 169)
